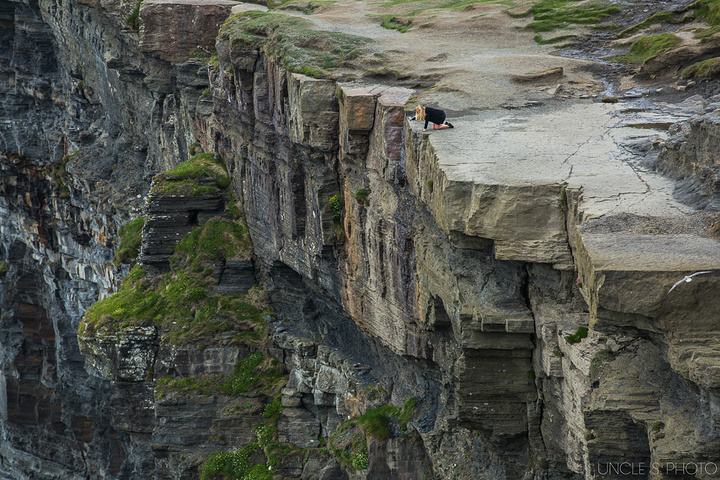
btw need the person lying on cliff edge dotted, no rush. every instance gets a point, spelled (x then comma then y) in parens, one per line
(432, 115)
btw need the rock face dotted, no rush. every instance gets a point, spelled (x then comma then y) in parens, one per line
(504, 312)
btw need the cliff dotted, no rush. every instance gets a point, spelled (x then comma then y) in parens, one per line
(225, 251)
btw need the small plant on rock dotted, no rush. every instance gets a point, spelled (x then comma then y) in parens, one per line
(361, 195)
(335, 205)
(578, 336)
(133, 19)
(130, 240)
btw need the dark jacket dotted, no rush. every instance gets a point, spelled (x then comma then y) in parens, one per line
(434, 115)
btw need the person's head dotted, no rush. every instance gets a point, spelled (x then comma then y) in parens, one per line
(420, 112)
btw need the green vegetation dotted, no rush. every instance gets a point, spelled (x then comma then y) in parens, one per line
(649, 46)
(361, 195)
(657, 426)
(247, 463)
(235, 464)
(416, 7)
(130, 240)
(218, 239)
(293, 41)
(335, 205)
(3, 268)
(549, 15)
(708, 11)
(133, 19)
(255, 373)
(182, 302)
(578, 336)
(349, 442)
(393, 22)
(709, 68)
(202, 174)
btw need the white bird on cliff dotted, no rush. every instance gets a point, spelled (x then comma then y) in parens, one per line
(688, 279)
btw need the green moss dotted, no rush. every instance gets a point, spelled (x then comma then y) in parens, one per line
(549, 15)
(361, 195)
(709, 68)
(133, 19)
(708, 11)
(133, 301)
(349, 441)
(578, 336)
(199, 385)
(255, 373)
(393, 22)
(235, 464)
(217, 240)
(294, 42)
(418, 7)
(130, 240)
(3, 268)
(200, 175)
(182, 302)
(649, 46)
(335, 206)
(213, 61)
(274, 409)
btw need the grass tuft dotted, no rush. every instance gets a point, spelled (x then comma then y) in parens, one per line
(254, 373)
(236, 464)
(349, 442)
(182, 302)
(133, 19)
(362, 195)
(202, 174)
(130, 240)
(649, 46)
(578, 336)
(393, 22)
(549, 15)
(709, 68)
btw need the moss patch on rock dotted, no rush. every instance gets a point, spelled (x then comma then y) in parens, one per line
(577, 337)
(182, 302)
(649, 46)
(709, 68)
(349, 442)
(236, 464)
(294, 42)
(203, 174)
(256, 373)
(549, 15)
(130, 239)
